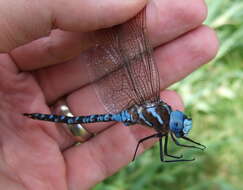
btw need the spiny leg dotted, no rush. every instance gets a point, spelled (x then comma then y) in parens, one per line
(166, 151)
(190, 140)
(184, 145)
(162, 154)
(142, 140)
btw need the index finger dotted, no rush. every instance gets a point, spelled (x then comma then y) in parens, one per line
(25, 21)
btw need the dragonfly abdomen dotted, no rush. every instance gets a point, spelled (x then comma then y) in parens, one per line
(123, 116)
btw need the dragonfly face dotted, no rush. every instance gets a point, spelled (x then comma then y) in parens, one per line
(180, 124)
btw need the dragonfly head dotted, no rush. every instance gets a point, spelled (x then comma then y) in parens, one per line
(180, 124)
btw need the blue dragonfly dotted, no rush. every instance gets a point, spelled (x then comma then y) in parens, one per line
(127, 81)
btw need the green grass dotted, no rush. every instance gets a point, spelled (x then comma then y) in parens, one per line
(213, 96)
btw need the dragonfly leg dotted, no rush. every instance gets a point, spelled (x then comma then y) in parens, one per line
(144, 139)
(166, 150)
(190, 140)
(184, 145)
(162, 154)
(161, 150)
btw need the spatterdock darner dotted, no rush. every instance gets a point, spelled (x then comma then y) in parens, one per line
(127, 82)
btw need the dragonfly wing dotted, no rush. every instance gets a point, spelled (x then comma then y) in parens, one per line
(123, 68)
(138, 59)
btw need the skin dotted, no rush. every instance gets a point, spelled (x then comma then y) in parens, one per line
(37, 34)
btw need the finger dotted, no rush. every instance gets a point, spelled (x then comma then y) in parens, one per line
(166, 20)
(175, 60)
(106, 153)
(169, 19)
(181, 57)
(93, 15)
(31, 21)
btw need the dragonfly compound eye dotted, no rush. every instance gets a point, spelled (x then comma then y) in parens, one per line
(176, 123)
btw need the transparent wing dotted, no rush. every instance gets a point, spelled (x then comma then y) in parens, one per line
(123, 66)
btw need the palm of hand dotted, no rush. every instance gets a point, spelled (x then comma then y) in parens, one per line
(30, 153)
(36, 154)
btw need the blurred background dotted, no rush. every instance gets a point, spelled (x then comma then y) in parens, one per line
(213, 96)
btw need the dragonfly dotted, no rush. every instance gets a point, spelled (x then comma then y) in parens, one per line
(126, 80)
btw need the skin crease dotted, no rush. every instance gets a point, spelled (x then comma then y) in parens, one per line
(37, 34)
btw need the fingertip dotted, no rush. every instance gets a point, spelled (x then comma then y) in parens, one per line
(169, 19)
(173, 99)
(210, 41)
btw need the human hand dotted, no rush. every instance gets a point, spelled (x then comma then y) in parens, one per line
(36, 154)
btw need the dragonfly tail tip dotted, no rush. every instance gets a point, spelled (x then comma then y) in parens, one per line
(26, 114)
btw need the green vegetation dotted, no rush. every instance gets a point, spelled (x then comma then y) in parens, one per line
(214, 97)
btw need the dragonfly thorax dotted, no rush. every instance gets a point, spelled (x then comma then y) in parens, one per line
(155, 115)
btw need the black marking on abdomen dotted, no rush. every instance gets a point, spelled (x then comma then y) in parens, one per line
(71, 120)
